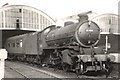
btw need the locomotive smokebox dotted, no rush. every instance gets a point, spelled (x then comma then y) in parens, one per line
(87, 34)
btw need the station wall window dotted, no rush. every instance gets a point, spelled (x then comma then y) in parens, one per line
(17, 23)
(11, 15)
(30, 18)
(110, 22)
(20, 10)
(1, 20)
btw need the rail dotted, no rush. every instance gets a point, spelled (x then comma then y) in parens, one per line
(25, 76)
(3, 56)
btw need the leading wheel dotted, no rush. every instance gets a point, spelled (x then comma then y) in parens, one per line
(79, 69)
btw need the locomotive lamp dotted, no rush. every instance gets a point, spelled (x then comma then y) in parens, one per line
(3, 56)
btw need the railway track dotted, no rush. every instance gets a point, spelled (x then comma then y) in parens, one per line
(29, 72)
(18, 72)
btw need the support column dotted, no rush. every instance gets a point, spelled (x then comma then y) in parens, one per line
(2, 68)
(3, 56)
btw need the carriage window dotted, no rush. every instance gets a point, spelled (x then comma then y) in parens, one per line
(18, 44)
(21, 43)
(13, 44)
(8, 44)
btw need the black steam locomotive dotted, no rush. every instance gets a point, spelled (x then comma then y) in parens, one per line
(72, 47)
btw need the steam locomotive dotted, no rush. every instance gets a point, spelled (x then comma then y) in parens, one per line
(72, 47)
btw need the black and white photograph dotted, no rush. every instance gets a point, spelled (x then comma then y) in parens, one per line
(59, 39)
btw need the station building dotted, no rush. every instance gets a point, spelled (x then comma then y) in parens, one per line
(24, 18)
(110, 31)
(20, 19)
(108, 23)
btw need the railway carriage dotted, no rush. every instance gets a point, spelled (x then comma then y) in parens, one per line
(23, 47)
